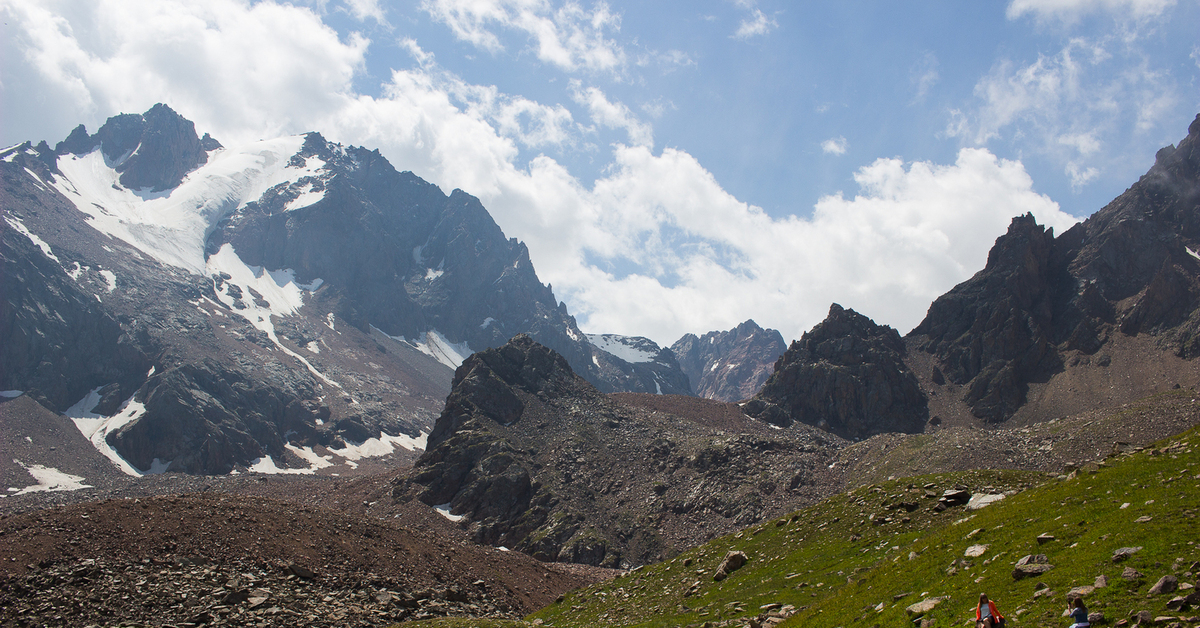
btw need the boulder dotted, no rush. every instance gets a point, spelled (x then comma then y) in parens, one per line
(1077, 592)
(955, 497)
(1129, 573)
(1125, 552)
(732, 562)
(1165, 584)
(1024, 571)
(976, 551)
(924, 606)
(1031, 565)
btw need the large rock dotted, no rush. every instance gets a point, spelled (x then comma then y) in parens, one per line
(924, 606)
(1165, 584)
(847, 375)
(732, 562)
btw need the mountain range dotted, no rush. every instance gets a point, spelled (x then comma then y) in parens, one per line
(317, 360)
(203, 309)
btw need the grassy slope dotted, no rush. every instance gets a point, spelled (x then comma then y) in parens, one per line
(836, 566)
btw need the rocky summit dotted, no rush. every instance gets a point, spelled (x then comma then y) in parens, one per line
(847, 375)
(533, 457)
(729, 365)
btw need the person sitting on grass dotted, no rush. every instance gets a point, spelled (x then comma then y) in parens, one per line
(1078, 613)
(986, 615)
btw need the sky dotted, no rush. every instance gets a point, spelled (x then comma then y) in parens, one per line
(673, 166)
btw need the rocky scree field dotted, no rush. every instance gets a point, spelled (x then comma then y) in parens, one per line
(221, 559)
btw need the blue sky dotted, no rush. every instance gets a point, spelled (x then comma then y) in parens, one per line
(673, 166)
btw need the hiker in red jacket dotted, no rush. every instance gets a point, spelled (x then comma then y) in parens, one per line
(986, 615)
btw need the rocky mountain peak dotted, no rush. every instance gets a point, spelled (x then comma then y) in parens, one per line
(729, 365)
(1042, 301)
(152, 150)
(524, 363)
(847, 375)
(485, 382)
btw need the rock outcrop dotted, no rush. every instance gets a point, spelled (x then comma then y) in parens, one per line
(994, 332)
(847, 375)
(729, 365)
(537, 459)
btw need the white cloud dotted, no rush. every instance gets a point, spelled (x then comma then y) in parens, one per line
(613, 115)
(244, 71)
(914, 231)
(1080, 176)
(1092, 94)
(1084, 143)
(755, 24)
(669, 61)
(1071, 10)
(924, 75)
(834, 146)
(363, 10)
(694, 258)
(568, 37)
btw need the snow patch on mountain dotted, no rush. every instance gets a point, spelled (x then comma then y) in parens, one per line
(110, 278)
(96, 429)
(444, 510)
(382, 445)
(171, 226)
(435, 345)
(632, 349)
(49, 479)
(315, 461)
(19, 227)
(278, 295)
(267, 465)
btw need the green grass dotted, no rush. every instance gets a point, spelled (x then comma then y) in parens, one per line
(836, 566)
(458, 622)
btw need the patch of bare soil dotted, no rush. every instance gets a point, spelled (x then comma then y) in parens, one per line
(719, 415)
(224, 559)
